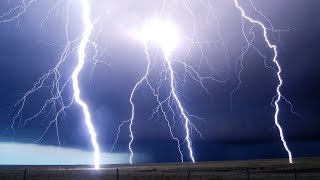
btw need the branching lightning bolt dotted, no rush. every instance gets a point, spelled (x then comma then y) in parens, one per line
(173, 94)
(274, 59)
(179, 104)
(56, 104)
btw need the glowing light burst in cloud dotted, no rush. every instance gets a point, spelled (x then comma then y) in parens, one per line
(169, 104)
(162, 32)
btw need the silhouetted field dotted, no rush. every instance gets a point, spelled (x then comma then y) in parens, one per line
(302, 169)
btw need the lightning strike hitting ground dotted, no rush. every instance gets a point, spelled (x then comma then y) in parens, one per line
(56, 105)
(81, 54)
(179, 104)
(132, 104)
(278, 97)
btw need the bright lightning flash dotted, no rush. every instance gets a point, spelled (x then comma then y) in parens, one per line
(164, 33)
(76, 89)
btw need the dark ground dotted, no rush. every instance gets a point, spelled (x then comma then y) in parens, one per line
(303, 168)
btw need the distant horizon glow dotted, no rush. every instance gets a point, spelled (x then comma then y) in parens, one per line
(34, 154)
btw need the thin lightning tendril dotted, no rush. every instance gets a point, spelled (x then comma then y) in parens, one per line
(131, 101)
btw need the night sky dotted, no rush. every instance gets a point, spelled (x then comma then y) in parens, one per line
(237, 126)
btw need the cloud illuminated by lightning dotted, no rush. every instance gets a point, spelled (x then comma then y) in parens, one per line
(164, 33)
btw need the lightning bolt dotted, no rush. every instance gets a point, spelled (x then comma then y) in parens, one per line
(179, 104)
(173, 94)
(81, 57)
(160, 105)
(131, 101)
(56, 104)
(274, 59)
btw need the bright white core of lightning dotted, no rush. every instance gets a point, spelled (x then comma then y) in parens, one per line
(164, 33)
(76, 89)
